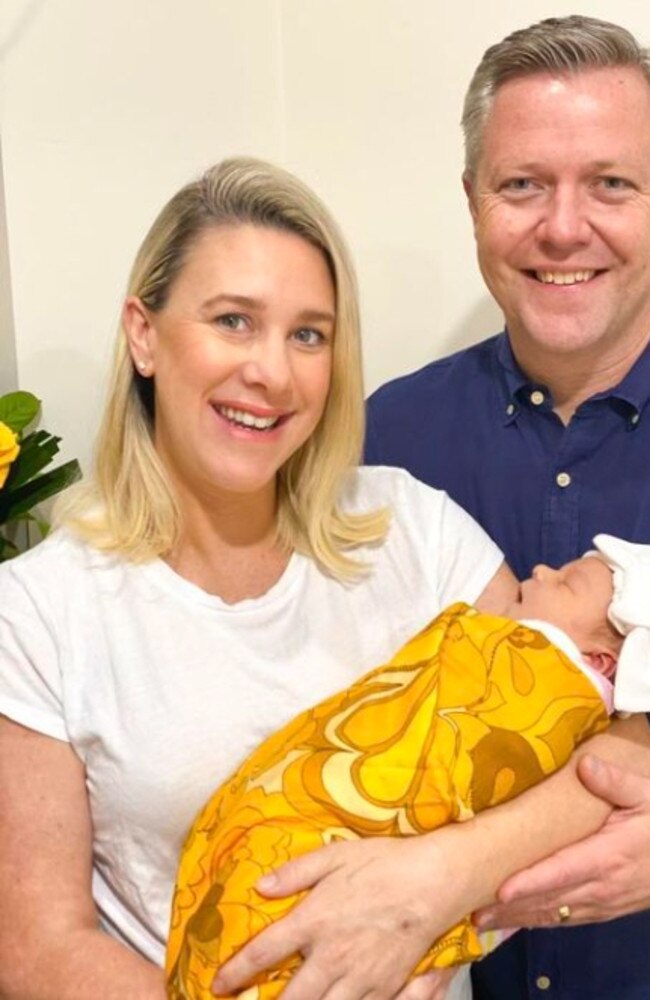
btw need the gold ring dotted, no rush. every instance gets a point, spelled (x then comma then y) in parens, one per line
(564, 913)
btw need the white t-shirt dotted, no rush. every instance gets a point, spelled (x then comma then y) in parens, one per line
(162, 689)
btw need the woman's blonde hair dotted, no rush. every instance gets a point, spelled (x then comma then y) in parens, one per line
(128, 506)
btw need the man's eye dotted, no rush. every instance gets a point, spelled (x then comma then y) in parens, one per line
(615, 184)
(231, 321)
(309, 337)
(518, 184)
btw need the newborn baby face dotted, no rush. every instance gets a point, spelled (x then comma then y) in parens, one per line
(575, 598)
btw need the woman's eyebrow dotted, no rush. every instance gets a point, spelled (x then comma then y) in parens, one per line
(316, 316)
(248, 302)
(234, 299)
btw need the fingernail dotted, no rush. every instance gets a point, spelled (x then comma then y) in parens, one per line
(266, 882)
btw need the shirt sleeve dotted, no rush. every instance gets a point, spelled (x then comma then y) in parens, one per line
(30, 674)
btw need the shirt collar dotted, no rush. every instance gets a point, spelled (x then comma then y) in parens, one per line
(633, 390)
(513, 380)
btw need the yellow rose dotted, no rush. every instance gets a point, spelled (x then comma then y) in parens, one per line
(9, 449)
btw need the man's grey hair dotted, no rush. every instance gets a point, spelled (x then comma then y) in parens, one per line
(557, 45)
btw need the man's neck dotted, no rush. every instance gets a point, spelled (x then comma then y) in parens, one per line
(574, 376)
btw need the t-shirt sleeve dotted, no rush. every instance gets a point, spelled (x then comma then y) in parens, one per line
(457, 558)
(466, 556)
(437, 547)
(30, 674)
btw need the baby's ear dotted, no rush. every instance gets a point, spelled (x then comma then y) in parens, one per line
(603, 660)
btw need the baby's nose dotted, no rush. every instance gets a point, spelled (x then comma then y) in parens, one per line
(541, 571)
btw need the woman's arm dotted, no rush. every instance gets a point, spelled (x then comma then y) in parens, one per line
(50, 944)
(376, 905)
(500, 592)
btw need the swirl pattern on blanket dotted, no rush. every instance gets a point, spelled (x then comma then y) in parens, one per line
(469, 713)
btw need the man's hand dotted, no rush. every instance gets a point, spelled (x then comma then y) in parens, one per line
(601, 877)
(362, 928)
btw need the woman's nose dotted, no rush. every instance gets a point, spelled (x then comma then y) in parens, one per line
(269, 365)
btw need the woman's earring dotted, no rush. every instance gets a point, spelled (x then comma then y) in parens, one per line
(142, 366)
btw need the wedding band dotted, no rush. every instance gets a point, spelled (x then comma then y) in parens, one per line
(564, 913)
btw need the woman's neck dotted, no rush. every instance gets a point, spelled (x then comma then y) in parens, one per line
(228, 544)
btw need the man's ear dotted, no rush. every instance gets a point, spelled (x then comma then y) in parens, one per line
(603, 660)
(140, 334)
(468, 188)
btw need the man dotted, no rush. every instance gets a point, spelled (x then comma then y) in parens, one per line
(543, 432)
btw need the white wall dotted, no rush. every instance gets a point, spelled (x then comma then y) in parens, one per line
(107, 108)
(8, 373)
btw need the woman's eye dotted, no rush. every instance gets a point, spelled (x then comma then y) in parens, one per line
(231, 321)
(309, 337)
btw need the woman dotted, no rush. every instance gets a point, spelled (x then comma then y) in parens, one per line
(225, 567)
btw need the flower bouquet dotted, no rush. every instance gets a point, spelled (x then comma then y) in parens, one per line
(23, 484)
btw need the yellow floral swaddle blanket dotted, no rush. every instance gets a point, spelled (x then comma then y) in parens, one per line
(470, 712)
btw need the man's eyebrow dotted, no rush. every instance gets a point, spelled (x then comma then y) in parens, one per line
(537, 166)
(606, 165)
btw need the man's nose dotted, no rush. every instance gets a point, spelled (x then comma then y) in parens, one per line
(565, 224)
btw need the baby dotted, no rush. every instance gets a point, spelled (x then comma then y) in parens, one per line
(471, 712)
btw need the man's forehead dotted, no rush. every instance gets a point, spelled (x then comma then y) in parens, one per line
(597, 116)
(626, 83)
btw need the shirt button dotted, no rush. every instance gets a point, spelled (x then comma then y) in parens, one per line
(510, 409)
(537, 397)
(563, 479)
(543, 983)
(634, 419)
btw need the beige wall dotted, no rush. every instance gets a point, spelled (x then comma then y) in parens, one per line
(8, 373)
(107, 108)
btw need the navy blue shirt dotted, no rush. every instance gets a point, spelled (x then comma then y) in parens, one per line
(474, 425)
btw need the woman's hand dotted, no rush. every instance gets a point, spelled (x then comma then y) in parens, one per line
(371, 914)
(430, 986)
(601, 877)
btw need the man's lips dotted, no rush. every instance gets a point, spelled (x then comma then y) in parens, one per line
(577, 276)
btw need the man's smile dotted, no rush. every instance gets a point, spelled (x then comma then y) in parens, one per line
(564, 277)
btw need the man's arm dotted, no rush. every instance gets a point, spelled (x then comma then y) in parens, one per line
(604, 876)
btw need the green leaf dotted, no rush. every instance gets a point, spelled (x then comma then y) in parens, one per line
(36, 451)
(42, 525)
(19, 409)
(7, 549)
(21, 500)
